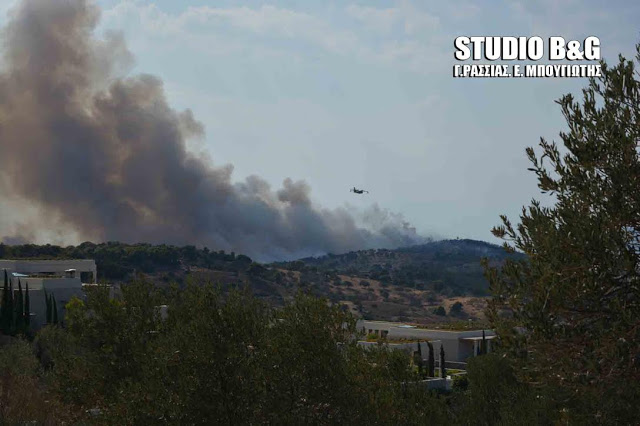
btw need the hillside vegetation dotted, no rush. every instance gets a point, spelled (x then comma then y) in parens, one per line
(448, 267)
(407, 284)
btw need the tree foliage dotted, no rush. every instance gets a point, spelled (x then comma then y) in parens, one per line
(456, 308)
(431, 363)
(5, 309)
(569, 314)
(443, 368)
(19, 309)
(226, 358)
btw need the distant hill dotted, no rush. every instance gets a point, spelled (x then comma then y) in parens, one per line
(448, 267)
(405, 284)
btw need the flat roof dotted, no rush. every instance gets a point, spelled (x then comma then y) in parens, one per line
(479, 338)
(425, 328)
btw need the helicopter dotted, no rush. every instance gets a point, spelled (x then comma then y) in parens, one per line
(358, 191)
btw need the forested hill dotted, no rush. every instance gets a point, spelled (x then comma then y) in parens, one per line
(406, 284)
(450, 267)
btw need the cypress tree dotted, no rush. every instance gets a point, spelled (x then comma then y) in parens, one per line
(47, 301)
(443, 370)
(27, 307)
(432, 362)
(10, 309)
(4, 318)
(483, 346)
(19, 309)
(55, 309)
(418, 359)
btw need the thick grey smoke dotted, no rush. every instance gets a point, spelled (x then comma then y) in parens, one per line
(107, 156)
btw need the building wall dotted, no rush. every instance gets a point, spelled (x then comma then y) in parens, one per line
(49, 284)
(466, 349)
(38, 304)
(455, 348)
(410, 347)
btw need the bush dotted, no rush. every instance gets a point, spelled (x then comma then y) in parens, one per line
(25, 399)
(456, 308)
(460, 382)
(495, 396)
(226, 358)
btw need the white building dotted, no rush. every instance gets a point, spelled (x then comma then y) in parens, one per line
(458, 345)
(83, 267)
(61, 278)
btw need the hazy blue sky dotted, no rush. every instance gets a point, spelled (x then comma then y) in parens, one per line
(361, 93)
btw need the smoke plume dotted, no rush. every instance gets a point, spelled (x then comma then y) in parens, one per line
(104, 156)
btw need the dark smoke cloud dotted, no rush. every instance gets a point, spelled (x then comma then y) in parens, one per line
(107, 156)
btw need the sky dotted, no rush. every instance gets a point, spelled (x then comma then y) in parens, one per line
(344, 94)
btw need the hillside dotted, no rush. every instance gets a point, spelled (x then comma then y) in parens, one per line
(448, 267)
(406, 284)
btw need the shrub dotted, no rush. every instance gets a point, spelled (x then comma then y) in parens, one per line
(456, 308)
(372, 336)
(460, 382)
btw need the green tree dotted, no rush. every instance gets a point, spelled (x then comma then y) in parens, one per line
(443, 369)
(440, 311)
(432, 361)
(309, 369)
(4, 309)
(575, 301)
(47, 301)
(456, 308)
(27, 307)
(106, 344)
(495, 396)
(11, 310)
(218, 380)
(227, 358)
(25, 399)
(75, 314)
(54, 309)
(19, 309)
